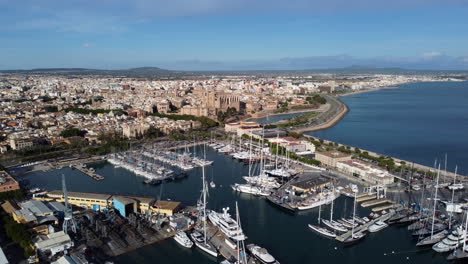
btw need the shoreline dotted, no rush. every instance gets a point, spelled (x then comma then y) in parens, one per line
(328, 124)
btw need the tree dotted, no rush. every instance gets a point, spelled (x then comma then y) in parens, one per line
(294, 135)
(72, 132)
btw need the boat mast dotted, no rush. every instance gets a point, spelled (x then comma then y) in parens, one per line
(331, 209)
(435, 202)
(277, 144)
(250, 154)
(320, 208)
(239, 228)
(261, 153)
(445, 169)
(204, 202)
(464, 231)
(453, 195)
(354, 214)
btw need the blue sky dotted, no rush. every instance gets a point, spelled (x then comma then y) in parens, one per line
(234, 34)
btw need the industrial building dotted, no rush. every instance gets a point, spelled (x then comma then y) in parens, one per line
(311, 184)
(34, 212)
(53, 243)
(124, 204)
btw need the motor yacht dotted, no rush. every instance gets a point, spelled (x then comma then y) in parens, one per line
(377, 226)
(226, 224)
(251, 189)
(261, 254)
(182, 238)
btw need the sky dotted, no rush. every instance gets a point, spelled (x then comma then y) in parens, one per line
(234, 34)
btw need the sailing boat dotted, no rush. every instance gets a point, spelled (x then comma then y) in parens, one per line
(323, 231)
(198, 238)
(333, 224)
(434, 238)
(355, 237)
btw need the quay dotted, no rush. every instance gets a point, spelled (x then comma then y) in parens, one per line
(91, 173)
(364, 227)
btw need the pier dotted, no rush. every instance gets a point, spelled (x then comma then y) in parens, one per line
(366, 197)
(375, 202)
(89, 172)
(364, 227)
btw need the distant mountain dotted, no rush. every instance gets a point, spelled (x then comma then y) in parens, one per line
(134, 72)
(155, 72)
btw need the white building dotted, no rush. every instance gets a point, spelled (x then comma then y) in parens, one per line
(365, 171)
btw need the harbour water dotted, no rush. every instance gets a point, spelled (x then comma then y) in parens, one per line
(418, 122)
(285, 235)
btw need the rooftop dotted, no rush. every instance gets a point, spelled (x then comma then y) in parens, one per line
(334, 154)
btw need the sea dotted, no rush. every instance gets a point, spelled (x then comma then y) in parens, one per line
(419, 122)
(418, 115)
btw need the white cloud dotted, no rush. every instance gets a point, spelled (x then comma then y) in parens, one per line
(87, 45)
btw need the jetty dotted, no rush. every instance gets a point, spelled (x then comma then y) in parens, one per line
(366, 197)
(90, 172)
(375, 202)
(364, 227)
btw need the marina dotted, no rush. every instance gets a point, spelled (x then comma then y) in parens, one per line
(265, 214)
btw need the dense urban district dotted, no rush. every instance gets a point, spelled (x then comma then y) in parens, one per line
(148, 126)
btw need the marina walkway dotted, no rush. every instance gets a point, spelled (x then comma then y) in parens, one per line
(364, 227)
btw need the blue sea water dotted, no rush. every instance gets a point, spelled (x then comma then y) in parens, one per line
(419, 122)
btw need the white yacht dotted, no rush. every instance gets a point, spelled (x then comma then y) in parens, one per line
(318, 200)
(456, 187)
(377, 226)
(206, 246)
(451, 242)
(263, 180)
(261, 254)
(431, 240)
(279, 173)
(226, 224)
(334, 225)
(251, 189)
(182, 238)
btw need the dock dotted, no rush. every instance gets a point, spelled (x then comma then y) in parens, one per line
(364, 227)
(89, 172)
(383, 207)
(375, 202)
(366, 197)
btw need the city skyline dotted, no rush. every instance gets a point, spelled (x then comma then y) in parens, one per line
(234, 35)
